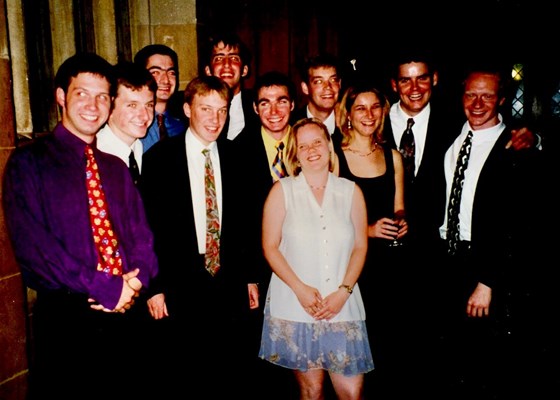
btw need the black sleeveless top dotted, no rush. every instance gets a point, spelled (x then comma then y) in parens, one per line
(379, 191)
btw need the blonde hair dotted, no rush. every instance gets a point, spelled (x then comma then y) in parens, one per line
(346, 104)
(292, 163)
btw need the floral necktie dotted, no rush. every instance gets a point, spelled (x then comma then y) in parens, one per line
(212, 255)
(104, 237)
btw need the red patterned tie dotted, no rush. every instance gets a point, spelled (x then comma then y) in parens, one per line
(105, 239)
(212, 256)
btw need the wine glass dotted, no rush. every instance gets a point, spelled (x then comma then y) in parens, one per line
(397, 217)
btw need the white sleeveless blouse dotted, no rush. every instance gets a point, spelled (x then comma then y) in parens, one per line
(317, 242)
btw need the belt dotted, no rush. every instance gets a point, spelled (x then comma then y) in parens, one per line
(464, 245)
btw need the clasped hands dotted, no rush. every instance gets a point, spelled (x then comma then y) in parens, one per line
(319, 308)
(130, 291)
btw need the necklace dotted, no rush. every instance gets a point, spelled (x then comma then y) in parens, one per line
(317, 187)
(363, 154)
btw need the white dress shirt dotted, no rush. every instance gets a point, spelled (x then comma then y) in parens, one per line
(399, 119)
(330, 122)
(236, 117)
(483, 141)
(108, 142)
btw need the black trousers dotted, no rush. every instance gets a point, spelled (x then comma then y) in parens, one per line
(80, 353)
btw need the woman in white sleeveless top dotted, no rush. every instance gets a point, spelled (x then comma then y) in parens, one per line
(315, 240)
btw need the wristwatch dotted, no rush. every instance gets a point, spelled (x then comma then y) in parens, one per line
(348, 288)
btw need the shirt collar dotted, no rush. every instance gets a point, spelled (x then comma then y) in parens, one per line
(330, 122)
(196, 145)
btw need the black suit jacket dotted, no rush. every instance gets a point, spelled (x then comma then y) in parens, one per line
(507, 189)
(190, 290)
(251, 153)
(425, 195)
(251, 117)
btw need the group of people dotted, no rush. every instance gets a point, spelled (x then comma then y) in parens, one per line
(347, 240)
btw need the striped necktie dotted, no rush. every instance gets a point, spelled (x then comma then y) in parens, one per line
(278, 166)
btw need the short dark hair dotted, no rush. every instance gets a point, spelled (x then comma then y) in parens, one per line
(317, 61)
(83, 63)
(132, 76)
(146, 52)
(204, 84)
(412, 53)
(230, 39)
(274, 78)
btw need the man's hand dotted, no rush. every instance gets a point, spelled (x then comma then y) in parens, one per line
(157, 306)
(253, 295)
(130, 290)
(521, 138)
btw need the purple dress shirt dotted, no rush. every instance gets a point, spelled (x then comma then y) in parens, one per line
(46, 208)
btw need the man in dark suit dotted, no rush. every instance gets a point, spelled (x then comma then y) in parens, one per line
(190, 299)
(415, 78)
(257, 148)
(230, 60)
(485, 271)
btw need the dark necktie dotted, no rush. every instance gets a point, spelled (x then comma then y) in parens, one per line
(278, 164)
(133, 168)
(407, 149)
(161, 125)
(212, 255)
(105, 239)
(455, 195)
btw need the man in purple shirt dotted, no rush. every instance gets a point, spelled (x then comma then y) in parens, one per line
(84, 341)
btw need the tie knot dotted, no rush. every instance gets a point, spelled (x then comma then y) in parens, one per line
(410, 123)
(160, 118)
(90, 158)
(206, 152)
(280, 146)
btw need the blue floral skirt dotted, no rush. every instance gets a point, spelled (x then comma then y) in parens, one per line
(338, 347)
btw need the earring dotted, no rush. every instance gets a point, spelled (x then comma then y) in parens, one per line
(349, 124)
